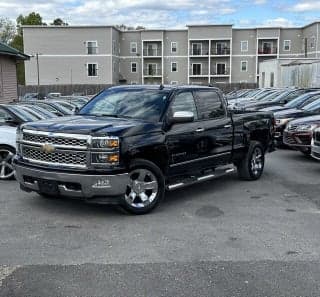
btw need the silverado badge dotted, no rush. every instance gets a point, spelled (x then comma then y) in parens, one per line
(48, 148)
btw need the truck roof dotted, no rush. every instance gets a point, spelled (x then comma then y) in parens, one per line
(165, 87)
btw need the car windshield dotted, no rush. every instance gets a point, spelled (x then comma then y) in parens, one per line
(23, 114)
(272, 96)
(145, 104)
(312, 106)
(299, 100)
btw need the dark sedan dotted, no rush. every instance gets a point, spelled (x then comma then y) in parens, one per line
(285, 116)
(298, 133)
(14, 115)
(53, 107)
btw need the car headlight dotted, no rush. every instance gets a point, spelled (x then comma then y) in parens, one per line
(282, 122)
(105, 158)
(108, 142)
(306, 127)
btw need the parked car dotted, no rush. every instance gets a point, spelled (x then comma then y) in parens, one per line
(315, 145)
(10, 117)
(53, 95)
(45, 114)
(298, 102)
(298, 133)
(53, 107)
(282, 99)
(131, 143)
(285, 116)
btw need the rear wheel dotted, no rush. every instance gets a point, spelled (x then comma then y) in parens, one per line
(145, 188)
(6, 169)
(251, 167)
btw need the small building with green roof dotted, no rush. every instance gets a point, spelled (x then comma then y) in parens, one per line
(9, 57)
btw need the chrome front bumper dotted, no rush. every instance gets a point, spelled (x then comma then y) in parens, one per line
(315, 151)
(87, 186)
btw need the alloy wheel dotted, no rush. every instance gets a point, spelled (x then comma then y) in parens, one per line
(6, 168)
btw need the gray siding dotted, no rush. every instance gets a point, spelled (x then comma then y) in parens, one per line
(210, 32)
(8, 80)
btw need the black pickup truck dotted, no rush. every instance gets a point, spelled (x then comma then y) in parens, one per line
(131, 143)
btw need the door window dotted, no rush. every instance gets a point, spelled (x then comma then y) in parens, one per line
(3, 116)
(209, 105)
(184, 102)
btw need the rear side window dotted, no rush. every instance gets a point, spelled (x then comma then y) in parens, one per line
(3, 115)
(209, 105)
(184, 102)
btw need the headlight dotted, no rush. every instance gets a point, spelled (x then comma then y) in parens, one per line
(105, 158)
(108, 142)
(306, 127)
(282, 122)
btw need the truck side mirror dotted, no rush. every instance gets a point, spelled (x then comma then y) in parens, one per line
(182, 117)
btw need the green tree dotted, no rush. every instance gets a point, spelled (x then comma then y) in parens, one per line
(59, 22)
(7, 30)
(17, 41)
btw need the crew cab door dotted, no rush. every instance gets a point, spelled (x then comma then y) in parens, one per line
(217, 135)
(182, 139)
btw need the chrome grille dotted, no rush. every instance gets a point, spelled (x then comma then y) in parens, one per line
(288, 139)
(64, 158)
(63, 141)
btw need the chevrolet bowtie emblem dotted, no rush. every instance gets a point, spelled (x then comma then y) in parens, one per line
(48, 148)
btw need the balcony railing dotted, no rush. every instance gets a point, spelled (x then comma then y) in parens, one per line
(268, 51)
(148, 52)
(199, 52)
(220, 52)
(225, 72)
(152, 72)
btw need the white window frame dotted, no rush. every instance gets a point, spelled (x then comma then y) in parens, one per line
(131, 47)
(97, 48)
(136, 67)
(284, 45)
(242, 47)
(200, 48)
(313, 42)
(176, 66)
(172, 43)
(200, 68)
(244, 61)
(225, 67)
(97, 68)
(174, 82)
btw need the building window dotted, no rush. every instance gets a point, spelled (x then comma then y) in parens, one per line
(174, 82)
(244, 66)
(114, 66)
(244, 45)
(92, 69)
(133, 67)
(196, 68)
(272, 79)
(174, 47)
(312, 42)
(92, 47)
(196, 49)
(221, 68)
(114, 47)
(133, 47)
(286, 45)
(174, 66)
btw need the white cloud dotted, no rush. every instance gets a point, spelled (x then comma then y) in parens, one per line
(306, 6)
(278, 22)
(260, 2)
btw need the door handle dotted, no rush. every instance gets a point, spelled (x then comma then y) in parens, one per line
(200, 130)
(227, 126)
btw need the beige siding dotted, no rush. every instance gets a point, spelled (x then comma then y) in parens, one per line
(8, 79)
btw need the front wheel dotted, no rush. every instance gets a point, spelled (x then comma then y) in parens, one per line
(145, 188)
(251, 167)
(6, 169)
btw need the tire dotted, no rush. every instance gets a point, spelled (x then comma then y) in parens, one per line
(307, 152)
(146, 187)
(251, 167)
(6, 155)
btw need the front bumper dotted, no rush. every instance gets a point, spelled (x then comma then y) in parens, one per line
(75, 185)
(315, 151)
(298, 140)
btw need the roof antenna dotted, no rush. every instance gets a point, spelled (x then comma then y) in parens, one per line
(161, 87)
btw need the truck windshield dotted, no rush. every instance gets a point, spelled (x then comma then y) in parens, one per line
(145, 104)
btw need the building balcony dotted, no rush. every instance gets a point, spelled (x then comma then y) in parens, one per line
(268, 51)
(153, 53)
(221, 51)
(152, 72)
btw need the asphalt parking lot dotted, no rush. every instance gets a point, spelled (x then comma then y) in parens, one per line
(222, 238)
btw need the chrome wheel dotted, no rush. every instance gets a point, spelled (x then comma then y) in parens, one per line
(257, 161)
(6, 168)
(142, 189)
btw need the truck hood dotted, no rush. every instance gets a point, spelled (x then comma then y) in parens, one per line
(95, 125)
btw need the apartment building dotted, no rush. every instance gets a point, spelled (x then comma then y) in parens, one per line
(199, 54)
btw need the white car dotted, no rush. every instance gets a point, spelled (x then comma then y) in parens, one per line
(7, 151)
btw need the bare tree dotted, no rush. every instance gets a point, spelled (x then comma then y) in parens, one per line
(7, 30)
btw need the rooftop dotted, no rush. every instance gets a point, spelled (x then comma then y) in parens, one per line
(10, 51)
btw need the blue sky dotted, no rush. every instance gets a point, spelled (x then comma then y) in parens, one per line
(169, 14)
